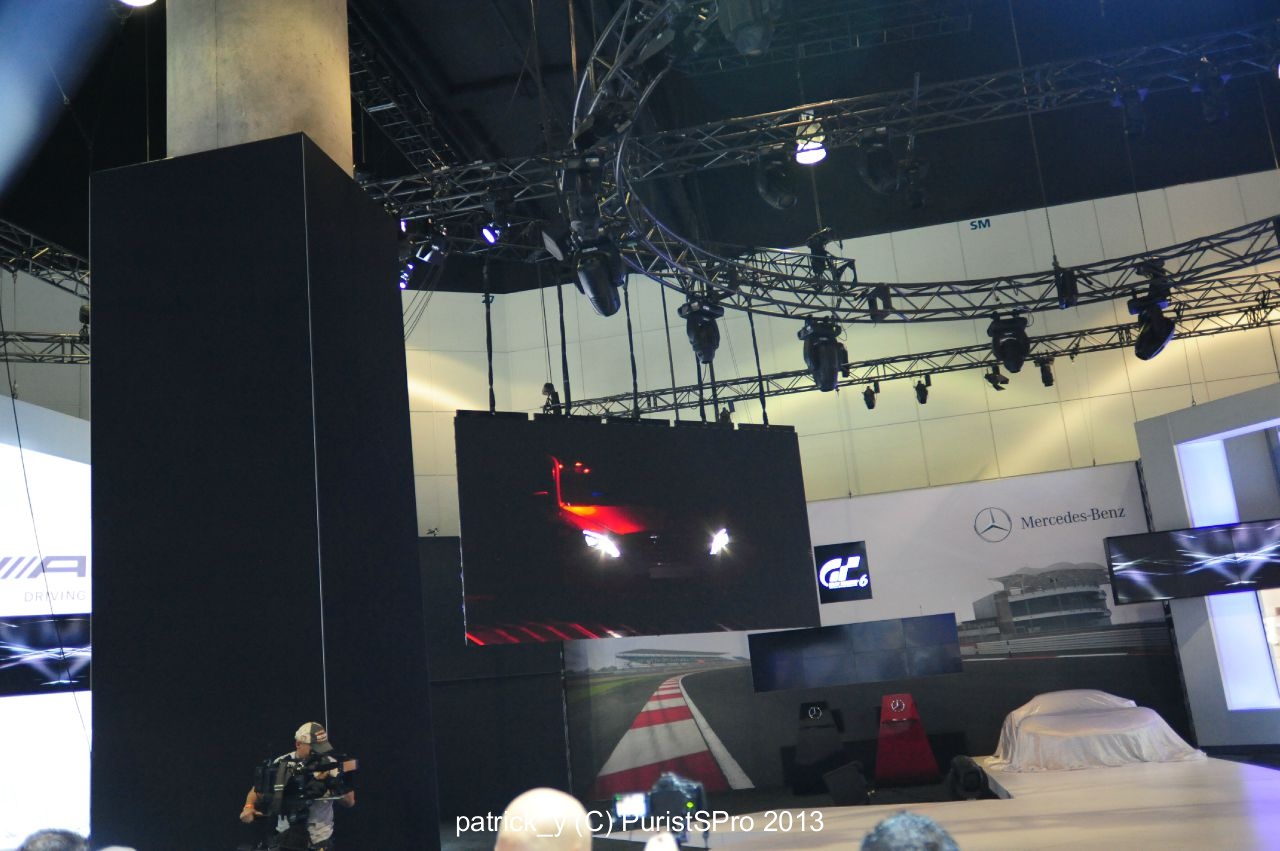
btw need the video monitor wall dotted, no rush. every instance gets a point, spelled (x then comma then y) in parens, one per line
(576, 528)
(1195, 562)
(868, 652)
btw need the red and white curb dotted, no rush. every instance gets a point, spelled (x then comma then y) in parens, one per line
(669, 734)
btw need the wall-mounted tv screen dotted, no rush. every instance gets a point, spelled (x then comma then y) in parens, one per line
(580, 528)
(869, 652)
(1195, 562)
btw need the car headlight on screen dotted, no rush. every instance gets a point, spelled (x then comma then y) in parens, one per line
(719, 541)
(601, 542)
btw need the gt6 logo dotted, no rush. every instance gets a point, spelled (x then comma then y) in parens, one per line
(834, 574)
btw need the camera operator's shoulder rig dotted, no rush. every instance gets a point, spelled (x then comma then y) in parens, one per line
(287, 785)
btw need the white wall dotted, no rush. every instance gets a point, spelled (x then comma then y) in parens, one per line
(29, 304)
(966, 432)
(1200, 645)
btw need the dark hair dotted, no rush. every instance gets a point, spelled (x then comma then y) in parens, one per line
(907, 831)
(54, 840)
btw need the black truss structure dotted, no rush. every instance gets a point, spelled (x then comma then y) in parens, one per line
(1241, 303)
(391, 103)
(23, 251)
(815, 28)
(782, 283)
(459, 191)
(39, 347)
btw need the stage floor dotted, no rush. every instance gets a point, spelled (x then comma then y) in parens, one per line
(1206, 804)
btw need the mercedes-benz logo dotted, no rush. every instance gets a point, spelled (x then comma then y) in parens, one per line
(897, 704)
(992, 525)
(815, 712)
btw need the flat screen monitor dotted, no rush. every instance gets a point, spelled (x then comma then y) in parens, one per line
(580, 528)
(1194, 562)
(868, 652)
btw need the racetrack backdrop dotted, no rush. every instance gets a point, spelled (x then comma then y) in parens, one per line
(1019, 562)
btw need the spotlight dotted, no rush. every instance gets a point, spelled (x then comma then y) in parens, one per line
(1211, 86)
(493, 229)
(1009, 341)
(600, 274)
(137, 4)
(995, 379)
(700, 317)
(492, 233)
(748, 24)
(913, 173)
(876, 163)
(869, 397)
(84, 322)
(879, 303)
(1155, 330)
(775, 182)
(1064, 281)
(922, 389)
(809, 140)
(1129, 98)
(608, 121)
(824, 354)
(819, 256)
(1046, 371)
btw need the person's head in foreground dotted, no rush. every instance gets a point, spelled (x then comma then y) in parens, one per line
(544, 820)
(53, 840)
(906, 831)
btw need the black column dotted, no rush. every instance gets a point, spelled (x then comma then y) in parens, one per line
(254, 541)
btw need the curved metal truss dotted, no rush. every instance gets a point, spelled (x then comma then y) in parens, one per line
(23, 251)
(783, 283)
(459, 191)
(1213, 307)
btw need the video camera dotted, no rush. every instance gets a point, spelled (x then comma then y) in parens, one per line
(673, 804)
(288, 786)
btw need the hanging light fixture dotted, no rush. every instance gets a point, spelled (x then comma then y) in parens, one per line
(810, 137)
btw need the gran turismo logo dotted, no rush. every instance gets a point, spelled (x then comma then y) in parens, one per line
(993, 525)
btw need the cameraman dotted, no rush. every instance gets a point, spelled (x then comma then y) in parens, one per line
(315, 831)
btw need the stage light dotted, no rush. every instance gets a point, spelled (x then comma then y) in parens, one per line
(1211, 86)
(922, 389)
(84, 322)
(775, 181)
(748, 24)
(719, 541)
(137, 4)
(1064, 281)
(700, 317)
(913, 173)
(492, 233)
(995, 379)
(1130, 99)
(1046, 371)
(810, 137)
(1155, 330)
(877, 165)
(600, 275)
(879, 303)
(1009, 342)
(824, 354)
(869, 399)
(601, 542)
(819, 256)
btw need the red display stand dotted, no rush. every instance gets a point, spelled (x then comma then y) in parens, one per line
(903, 754)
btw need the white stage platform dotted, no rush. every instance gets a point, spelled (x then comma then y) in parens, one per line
(1207, 804)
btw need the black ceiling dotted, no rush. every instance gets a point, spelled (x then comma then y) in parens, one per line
(497, 75)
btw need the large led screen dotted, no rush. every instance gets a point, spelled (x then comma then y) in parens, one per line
(576, 528)
(868, 652)
(1195, 562)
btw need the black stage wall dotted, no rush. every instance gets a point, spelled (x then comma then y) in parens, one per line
(253, 551)
(497, 706)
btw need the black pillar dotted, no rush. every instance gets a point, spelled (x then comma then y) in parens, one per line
(254, 540)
